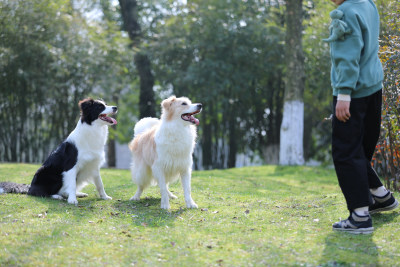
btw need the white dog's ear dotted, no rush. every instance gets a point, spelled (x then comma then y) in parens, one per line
(166, 104)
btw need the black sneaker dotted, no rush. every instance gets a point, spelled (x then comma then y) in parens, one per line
(355, 224)
(385, 203)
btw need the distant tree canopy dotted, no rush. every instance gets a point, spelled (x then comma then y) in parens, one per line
(50, 58)
(229, 55)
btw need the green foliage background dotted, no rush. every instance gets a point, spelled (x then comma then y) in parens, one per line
(50, 58)
(226, 54)
(387, 156)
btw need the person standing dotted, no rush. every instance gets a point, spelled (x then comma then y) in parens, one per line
(356, 78)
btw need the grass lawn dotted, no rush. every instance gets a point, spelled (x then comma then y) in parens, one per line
(251, 216)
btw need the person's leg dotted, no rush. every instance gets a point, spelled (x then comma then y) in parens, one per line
(349, 156)
(372, 124)
(383, 199)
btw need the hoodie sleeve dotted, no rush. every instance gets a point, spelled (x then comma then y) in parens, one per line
(345, 55)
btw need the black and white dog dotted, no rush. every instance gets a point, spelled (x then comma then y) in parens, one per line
(77, 161)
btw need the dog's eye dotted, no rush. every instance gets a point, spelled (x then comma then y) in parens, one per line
(184, 104)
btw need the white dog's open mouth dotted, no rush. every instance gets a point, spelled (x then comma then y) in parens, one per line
(105, 118)
(189, 117)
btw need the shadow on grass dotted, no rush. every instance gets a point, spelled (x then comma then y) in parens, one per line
(344, 249)
(88, 208)
(147, 212)
(143, 213)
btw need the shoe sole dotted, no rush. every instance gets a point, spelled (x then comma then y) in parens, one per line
(361, 231)
(387, 208)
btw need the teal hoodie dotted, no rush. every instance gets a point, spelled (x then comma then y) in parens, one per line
(356, 68)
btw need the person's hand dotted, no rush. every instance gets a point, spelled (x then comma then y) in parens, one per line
(343, 110)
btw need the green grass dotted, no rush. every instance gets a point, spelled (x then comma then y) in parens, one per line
(251, 216)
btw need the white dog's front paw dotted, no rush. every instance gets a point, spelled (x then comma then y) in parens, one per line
(134, 198)
(72, 201)
(106, 197)
(191, 205)
(165, 205)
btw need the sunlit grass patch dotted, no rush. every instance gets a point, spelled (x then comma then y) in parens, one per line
(266, 215)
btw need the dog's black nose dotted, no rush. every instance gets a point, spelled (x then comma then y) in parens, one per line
(199, 106)
(115, 109)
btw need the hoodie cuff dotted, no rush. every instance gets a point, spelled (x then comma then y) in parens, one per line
(344, 91)
(342, 97)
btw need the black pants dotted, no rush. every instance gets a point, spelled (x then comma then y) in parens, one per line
(353, 145)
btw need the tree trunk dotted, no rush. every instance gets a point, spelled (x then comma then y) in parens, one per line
(130, 17)
(146, 98)
(270, 153)
(111, 145)
(232, 143)
(207, 141)
(291, 134)
(111, 154)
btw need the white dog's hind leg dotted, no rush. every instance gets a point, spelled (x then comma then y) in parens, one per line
(80, 194)
(139, 192)
(170, 195)
(100, 187)
(141, 177)
(185, 178)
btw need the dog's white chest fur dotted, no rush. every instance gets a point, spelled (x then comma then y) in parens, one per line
(90, 143)
(175, 146)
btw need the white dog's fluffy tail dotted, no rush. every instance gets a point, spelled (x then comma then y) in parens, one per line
(145, 124)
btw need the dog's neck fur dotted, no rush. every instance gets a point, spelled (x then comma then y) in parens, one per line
(92, 137)
(174, 127)
(175, 133)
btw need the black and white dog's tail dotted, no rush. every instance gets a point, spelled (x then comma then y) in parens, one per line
(8, 187)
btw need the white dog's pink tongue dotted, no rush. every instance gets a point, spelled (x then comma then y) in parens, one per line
(196, 121)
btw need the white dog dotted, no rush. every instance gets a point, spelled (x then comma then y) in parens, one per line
(162, 149)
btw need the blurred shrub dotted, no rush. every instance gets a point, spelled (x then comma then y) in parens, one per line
(387, 155)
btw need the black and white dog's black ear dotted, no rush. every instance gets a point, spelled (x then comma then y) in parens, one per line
(85, 106)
